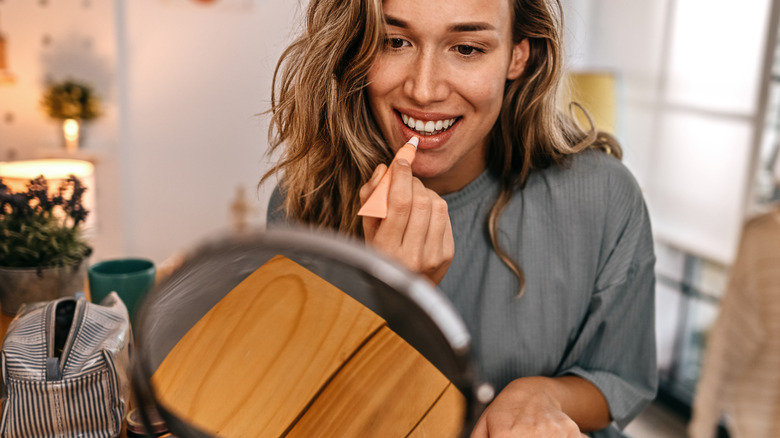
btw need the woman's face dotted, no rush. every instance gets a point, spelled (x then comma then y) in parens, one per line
(441, 76)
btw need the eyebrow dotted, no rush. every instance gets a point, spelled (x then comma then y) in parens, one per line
(458, 27)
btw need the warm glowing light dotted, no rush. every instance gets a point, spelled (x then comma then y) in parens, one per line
(16, 175)
(52, 169)
(70, 130)
(70, 127)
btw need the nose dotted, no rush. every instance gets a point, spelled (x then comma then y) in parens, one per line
(426, 81)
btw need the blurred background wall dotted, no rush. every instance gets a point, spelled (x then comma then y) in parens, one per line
(182, 84)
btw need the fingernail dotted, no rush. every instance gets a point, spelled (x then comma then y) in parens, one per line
(403, 162)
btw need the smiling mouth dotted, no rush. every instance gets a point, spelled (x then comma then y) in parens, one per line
(428, 127)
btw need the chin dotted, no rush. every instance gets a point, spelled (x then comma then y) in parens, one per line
(426, 171)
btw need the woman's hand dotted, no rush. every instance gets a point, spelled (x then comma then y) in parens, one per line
(536, 407)
(417, 230)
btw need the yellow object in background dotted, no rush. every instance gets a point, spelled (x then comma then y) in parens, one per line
(596, 92)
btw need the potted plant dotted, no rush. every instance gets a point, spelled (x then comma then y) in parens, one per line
(43, 250)
(73, 103)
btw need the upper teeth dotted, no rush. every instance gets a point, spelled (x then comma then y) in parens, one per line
(427, 127)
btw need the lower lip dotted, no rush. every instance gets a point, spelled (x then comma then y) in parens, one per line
(427, 142)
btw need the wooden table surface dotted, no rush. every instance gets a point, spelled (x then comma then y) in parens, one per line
(286, 353)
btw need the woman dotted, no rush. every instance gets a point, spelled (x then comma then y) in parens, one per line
(540, 240)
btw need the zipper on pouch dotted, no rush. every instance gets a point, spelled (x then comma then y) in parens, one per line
(60, 338)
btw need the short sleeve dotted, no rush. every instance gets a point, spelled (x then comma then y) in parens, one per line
(615, 349)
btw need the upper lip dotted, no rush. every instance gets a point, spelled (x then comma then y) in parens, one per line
(426, 115)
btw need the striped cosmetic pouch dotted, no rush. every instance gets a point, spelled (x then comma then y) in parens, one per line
(65, 367)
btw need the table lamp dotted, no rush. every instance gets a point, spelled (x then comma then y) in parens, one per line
(16, 175)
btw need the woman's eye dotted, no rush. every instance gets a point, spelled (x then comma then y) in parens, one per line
(466, 50)
(395, 43)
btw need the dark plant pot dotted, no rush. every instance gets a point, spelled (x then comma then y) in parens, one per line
(28, 285)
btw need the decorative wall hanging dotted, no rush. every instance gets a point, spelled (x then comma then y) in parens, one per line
(5, 75)
(72, 103)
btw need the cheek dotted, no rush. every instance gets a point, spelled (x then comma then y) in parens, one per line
(378, 92)
(484, 95)
(382, 77)
(374, 92)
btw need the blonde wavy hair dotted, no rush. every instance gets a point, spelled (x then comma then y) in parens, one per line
(330, 143)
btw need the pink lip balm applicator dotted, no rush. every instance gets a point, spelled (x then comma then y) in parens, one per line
(376, 205)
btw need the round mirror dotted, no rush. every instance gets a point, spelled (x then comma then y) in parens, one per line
(295, 333)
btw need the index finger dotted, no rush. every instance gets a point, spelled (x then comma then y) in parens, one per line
(400, 194)
(399, 204)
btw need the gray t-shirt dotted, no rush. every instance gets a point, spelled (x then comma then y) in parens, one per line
(582, 236)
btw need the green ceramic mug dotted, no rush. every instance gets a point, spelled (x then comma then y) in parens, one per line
(131, 278)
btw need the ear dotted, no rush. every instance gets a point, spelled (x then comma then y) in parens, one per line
(520, 54)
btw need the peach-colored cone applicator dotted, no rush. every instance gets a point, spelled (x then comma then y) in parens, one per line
(376, 205)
